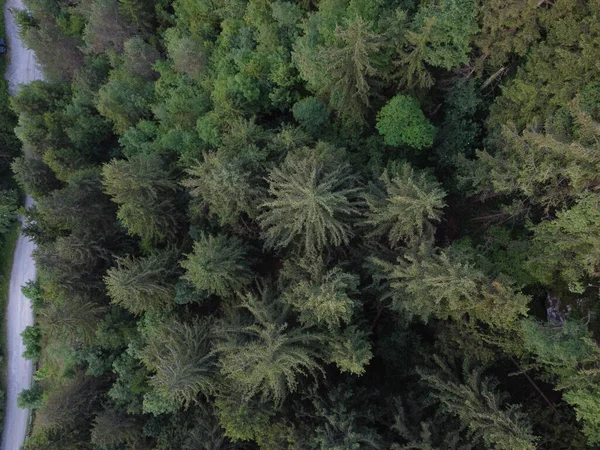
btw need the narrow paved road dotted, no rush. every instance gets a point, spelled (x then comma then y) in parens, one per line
(22, 69)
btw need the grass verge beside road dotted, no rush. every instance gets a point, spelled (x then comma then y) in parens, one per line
(7, 250)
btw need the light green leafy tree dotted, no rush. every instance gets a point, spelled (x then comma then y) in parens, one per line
(401, 122)
(31, 398)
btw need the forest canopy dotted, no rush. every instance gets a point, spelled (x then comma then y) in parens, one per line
(313, 224)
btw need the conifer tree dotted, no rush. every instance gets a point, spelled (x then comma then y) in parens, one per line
(225, 186)
(179, 356)
(313, 202)
(345, 420)
(325, 298)
(404, 205)
(480, 406)
(72, 320)
(143, 284)
(539, 170)
(350, 65)
(113, 427)
(219, 265)
(263, 354)
(144, 188)
(566, 250)
(446, 27)
(568, 357)
(429, 283)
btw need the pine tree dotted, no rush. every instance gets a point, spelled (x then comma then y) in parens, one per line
(113, 427)
(325, 299)
(143, 187)
(540, 170)
(568, 357)
(313, 202)
(219, 265)
(479, 405)
(263, 355)
(72, 320)
(446, 29)
(428, 283)
(404, 205)
(345, 420)
(350, 349)
(180, 358)
(350, 65)
(225, 186)
(143, 284)
(566, 250)
(72, 405)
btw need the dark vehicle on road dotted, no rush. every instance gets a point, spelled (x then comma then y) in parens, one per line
(2, 46)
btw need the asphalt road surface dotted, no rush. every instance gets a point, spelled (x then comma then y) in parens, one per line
(22, 69)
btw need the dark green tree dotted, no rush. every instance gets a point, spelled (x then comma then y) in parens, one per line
(8, 209)
(351, 66)
(144, 188)
(479, 405)
(143, 284)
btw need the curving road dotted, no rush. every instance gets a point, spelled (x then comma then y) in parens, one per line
(22, 69)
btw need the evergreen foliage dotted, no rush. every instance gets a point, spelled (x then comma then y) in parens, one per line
(313, 201)
(479, 405)
(143, 188)
(256, 220)
(219, 265)
(262, 354)
(143, 284)
(404, 205)
(179, 354)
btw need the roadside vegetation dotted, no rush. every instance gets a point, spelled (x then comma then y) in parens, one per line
(313, 224)
(9, 203)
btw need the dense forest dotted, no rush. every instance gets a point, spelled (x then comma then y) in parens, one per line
(313, 224)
